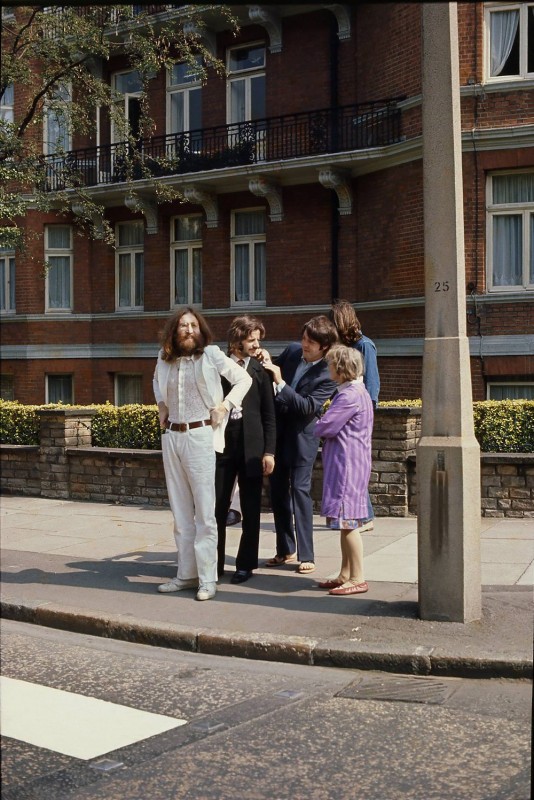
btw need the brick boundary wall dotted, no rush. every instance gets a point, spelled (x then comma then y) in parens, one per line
(66, 466)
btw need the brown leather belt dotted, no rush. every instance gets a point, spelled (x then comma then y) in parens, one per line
(185, 426)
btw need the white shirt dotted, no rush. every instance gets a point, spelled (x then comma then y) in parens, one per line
(182, 385)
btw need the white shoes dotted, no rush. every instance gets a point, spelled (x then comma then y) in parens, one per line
(206, 591)
(177, 585)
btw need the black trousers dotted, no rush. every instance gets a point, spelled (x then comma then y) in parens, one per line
(229, 466)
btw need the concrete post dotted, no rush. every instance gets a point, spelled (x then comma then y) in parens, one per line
(59, 429)
(448, 455)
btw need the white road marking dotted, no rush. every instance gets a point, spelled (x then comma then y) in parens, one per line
(73, 724)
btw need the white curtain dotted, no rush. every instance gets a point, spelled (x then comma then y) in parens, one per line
(259, 271)
(125, 284)
(241, 266)
(59, 282)
(507, 250)
(513, 188)
(180, 277)
(197, 275)
(531, 248)
(504, 26)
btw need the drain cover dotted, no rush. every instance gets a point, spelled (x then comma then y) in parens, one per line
(402, 688)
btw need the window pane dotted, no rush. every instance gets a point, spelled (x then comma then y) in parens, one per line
(511, 392)
(242, 280)
(185, 73)
(12, 284)
(3, 275)
(257, 100)
(7, 387)
(259, 271)
(125, 296)
(247, 58)
(8, 97)
(60, 389)
(513, 188)
(248, 223)
(197, 275)
(187, 229)
(58, 237)
(180, 277)
(59, 282)
(131, 234)
(177, 112)
(129, 389)
(139, 279)
(128, 83)
(531, 280)
(237, 101)
(195, 109)
(504, 43)
(507, 250)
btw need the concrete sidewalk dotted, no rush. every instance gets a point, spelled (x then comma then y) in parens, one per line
(94, 568)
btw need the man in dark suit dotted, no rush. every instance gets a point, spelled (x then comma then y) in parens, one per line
(250, 440)
(302, 385)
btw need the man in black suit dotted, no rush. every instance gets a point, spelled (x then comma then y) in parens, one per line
(302, 385)
(250, 440)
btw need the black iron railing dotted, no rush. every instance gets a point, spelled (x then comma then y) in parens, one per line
(331, 130)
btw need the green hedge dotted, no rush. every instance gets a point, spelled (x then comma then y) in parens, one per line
(501, 426)
(130, 426)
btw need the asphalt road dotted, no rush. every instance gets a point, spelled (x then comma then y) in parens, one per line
(233, 728)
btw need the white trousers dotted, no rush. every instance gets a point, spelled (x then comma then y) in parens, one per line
(189, 463)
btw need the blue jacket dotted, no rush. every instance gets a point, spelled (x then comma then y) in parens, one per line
(371, 378)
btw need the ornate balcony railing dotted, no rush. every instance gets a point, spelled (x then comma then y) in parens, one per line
(292, 136)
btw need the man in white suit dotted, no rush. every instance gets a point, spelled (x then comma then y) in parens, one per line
(193, 413)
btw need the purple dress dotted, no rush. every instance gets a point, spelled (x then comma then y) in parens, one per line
(346, 428)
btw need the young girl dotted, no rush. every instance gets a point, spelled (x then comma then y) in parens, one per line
(346, 429)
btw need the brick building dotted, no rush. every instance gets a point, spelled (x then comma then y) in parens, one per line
(301, 172)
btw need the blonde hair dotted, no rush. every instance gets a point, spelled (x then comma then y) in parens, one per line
(347, 361)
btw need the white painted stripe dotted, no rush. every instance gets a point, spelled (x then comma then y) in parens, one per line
(72, 724)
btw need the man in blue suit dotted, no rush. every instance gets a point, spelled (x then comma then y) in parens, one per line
(302, 385)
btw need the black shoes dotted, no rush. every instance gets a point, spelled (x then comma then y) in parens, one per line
(233, 517)
(241, 576)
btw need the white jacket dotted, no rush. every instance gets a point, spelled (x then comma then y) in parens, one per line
(208, 371)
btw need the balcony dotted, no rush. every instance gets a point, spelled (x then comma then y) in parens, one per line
(292, 136)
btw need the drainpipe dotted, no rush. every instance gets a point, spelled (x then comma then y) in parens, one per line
(334, 102)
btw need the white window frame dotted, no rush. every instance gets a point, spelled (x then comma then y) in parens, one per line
(247, 75)
(117, 390)
(59, 375)
(50, 252)
(7, 110)
(132, 250)
(188, 245)
(47, 148)
(524, 10)
(122, 97)
(185, 89)
(7, 260)
(490, 384)
(251, 240)
(495, 210)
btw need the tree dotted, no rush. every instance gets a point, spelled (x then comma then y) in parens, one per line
(53, 57)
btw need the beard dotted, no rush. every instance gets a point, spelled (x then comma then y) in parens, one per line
(189, 343)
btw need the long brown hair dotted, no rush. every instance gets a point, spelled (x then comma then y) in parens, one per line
(168, 338)
(343, 315)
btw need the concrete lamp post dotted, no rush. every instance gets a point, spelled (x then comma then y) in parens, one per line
(448, 454)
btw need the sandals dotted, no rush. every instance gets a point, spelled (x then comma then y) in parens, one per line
(332, 583)
(350, 587)
(305, 567)
(278, 561)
